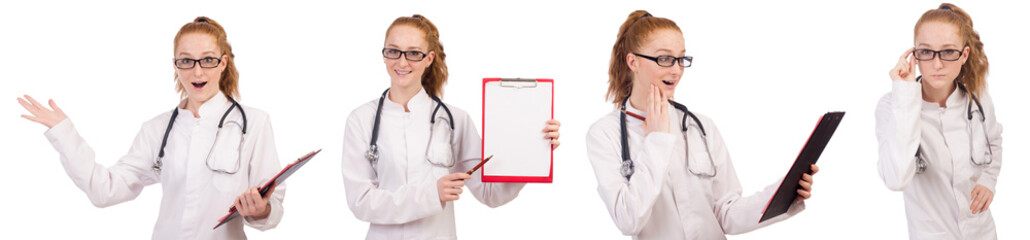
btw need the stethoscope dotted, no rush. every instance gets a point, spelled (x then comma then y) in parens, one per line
(373, 150)
(627, 163)
(175, 113)
(921, 162)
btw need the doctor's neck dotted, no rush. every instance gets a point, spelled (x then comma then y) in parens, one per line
(193, 105)
(402, 95)
(937, 95)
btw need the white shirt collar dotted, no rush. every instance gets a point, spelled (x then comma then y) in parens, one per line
(215, 106)
(956, 99)
(419, 102)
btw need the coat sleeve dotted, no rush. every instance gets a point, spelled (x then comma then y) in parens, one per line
(735, 213)
(105, 186)
(264, 165)
(629, 202)
(897, 130)
(407, 203)
(469, 155)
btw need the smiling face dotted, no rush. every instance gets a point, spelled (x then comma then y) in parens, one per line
(647, 72)
(404, 73)
(939, 36)
(200, 83)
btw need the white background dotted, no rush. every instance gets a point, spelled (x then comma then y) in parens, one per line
(764, 71)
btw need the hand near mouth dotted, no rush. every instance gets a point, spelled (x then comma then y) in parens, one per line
(657, 119)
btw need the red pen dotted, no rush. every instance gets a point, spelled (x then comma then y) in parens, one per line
(479, 165)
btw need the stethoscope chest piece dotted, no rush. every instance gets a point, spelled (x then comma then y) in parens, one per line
(627, 169)
(372, 154)
(157, 165)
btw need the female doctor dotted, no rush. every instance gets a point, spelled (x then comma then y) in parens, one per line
(208, 153)
(405, 153)
(662, 171)
(939, 140)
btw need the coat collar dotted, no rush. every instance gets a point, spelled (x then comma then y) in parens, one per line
(419, 102)
(213, 107)
(957, 99)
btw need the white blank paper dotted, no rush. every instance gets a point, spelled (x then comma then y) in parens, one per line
(514, 119)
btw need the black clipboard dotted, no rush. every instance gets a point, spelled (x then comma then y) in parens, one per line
(285, 173)
(785, 194)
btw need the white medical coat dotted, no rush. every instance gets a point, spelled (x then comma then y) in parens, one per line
(193, 197)
(662, 200)
(937, 200)
(399, 198)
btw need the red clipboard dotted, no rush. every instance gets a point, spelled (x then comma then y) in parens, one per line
(501, 160)
(285, 173)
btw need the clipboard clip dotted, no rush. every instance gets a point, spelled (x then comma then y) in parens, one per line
(518, 83)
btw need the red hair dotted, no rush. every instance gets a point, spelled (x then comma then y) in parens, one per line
(974, 72)
(435, 75)
(229, 82)
(632, 34)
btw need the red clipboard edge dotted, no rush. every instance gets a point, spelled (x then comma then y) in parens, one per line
(267, 185)
(305, 158)
(521, 179)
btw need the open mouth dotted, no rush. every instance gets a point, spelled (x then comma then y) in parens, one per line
(199, 84)
(667, 82)
(399, 72)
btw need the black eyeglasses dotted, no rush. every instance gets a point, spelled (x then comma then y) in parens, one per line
(189, 63)
(412, 55)
(668, 60)
(946, 54)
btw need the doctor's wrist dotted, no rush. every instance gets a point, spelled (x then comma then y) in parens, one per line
(264, 214)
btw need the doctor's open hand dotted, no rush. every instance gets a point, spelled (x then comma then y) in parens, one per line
(251, 204)
(905, 70)
(982, 198)
(657, 116)
(40, 113)
(806, 184)
(449, 186)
